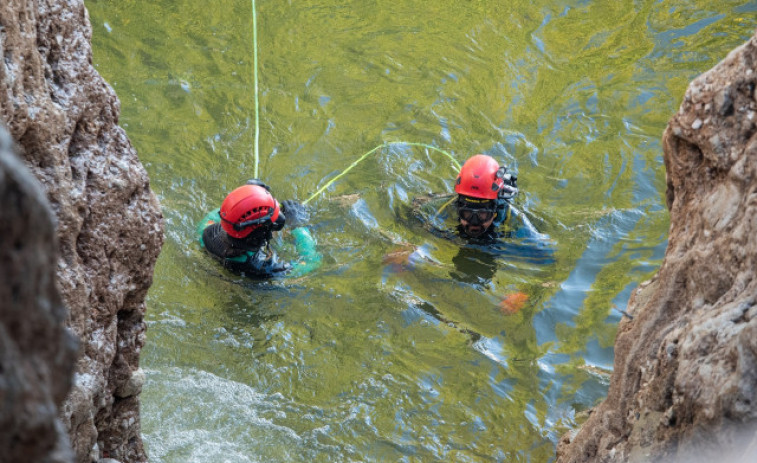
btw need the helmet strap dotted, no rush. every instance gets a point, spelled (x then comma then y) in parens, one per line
(259, 221)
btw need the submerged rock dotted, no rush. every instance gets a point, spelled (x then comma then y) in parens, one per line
(684, 386)
(64, 119)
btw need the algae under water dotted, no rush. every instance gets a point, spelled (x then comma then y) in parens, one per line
(403, 346)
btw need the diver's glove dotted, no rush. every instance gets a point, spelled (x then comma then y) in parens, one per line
(296, 213)
(264, 264)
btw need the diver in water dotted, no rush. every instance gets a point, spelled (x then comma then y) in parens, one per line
(483, 205)
(485, 190)
(238, 234)
(489, 225)
(488, 220)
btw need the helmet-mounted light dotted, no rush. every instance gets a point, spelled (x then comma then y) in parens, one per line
(509, 184)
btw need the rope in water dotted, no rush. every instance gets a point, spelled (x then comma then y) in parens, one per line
(256, 152)
(361, 158)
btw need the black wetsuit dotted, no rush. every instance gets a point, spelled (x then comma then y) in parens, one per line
(250, 256)
(510, 235)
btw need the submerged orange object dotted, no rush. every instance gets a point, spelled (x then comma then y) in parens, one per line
(513, 302)
(399, 260)
(398, 256)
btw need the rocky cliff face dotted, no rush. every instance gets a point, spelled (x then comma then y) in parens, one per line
(34, 375)
(684, 386)
(64, 119)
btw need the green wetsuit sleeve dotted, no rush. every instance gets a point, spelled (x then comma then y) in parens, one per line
(210, 218)
(310, 259)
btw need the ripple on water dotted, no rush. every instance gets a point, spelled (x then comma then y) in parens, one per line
(409, 359)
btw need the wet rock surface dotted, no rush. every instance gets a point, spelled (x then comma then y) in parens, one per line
(64, 119)
(684, 386)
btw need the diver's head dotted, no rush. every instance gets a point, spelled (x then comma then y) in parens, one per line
(480, 184)
(248, 208)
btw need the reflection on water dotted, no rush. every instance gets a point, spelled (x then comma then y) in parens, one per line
(407, 344)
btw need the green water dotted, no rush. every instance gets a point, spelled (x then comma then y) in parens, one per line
(374, 360)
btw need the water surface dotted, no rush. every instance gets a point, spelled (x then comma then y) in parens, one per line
(376, 359)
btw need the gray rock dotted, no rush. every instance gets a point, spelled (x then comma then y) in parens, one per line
(133, 386)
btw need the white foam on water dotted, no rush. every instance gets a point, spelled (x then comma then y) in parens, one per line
(199, 417)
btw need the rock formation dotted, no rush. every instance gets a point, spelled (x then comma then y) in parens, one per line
(34, 375)
(684, 386)
(64, 120)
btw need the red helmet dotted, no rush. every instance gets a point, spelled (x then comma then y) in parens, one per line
(247, 208)
(478, 178)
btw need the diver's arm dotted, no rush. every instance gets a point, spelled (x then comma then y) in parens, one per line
(539, 243)
(530, 244)
(264, 263)
(310, 258)
(297, 218)
(523, 228)
(258, 263)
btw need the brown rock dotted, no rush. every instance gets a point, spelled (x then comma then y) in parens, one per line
(684, 386)
(64, 118)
